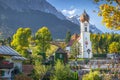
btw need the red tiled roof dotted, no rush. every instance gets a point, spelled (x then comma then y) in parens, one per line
(78, 38)
(73, 39)
(74, 36)
(71, 43)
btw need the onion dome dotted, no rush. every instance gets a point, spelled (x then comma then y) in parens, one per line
(84, 17)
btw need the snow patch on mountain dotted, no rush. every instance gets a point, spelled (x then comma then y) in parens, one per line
(74, 19)
(93, 29)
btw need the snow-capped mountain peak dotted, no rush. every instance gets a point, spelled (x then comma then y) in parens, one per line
(74, 19)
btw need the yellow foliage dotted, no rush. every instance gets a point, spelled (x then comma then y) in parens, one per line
(114, 47)
(21, 40)
(51, 50)
(110, 15)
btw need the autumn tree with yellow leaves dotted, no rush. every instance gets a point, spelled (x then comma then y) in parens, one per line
(110, 12)
(42, 39)
(21, 40)
(114, 47)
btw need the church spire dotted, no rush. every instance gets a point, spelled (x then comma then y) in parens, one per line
(84, 17)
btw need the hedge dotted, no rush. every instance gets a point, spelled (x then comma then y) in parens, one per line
(100, 55)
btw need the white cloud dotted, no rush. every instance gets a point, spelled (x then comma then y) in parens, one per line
(69, 13)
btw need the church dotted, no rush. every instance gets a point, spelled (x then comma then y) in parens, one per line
(85, 48)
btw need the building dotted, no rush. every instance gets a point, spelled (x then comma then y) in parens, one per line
(61, 55)
(74, 37)
(85, 50)
(86, 47)
(10, 63)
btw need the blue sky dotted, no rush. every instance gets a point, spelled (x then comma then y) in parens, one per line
(76, 7)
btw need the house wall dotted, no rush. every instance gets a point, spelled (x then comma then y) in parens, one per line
(7, 72)
(18, 63)
(68, 48)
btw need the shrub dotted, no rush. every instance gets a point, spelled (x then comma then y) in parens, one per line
(100, 55)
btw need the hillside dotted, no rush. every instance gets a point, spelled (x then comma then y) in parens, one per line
(22, 13)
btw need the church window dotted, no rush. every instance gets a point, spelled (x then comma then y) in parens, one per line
(85, 29)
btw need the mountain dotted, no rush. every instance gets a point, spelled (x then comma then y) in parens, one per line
(40, 5)
(74, 19)
(94, 29)
(33, 14)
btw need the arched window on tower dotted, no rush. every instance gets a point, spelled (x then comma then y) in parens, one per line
(85, 29)
(85, 26)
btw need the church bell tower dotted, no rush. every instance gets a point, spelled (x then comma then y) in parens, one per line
(86, 47)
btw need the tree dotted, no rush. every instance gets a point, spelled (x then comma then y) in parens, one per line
(92, 76)
(114, 47)
(75, 49)
(43, 38)
(101, 42)
(110, 12)
(21, 40)
(62, 72)
(107, 41)
(95, 38)
(8, 40)
(68, 36)
(40, 70)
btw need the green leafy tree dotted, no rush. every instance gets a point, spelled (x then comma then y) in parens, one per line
(75, 49)
(68, 36)
(95, 38)
(43, 38)
(92, 76)
(62, 72)
(21, 40)
(40, 70)
(107, 41)
(8, 40)
(110, 12)
(102, 42)
(114, 47)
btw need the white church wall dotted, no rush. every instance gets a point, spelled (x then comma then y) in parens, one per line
(85, 42)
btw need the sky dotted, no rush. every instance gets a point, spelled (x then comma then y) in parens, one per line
(76, 7)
